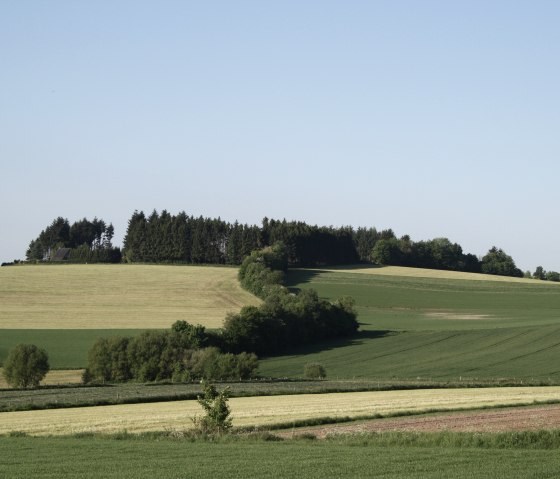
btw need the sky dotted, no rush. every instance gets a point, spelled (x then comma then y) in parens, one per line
(433, 118)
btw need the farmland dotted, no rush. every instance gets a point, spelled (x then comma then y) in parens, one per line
(434, 327)
(418, 327)
(416, 323)
(117, 296)
(65, 308)
(362, 457)
(265, 411)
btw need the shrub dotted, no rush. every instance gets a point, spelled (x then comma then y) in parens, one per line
(217, 418)
(314, 371)
(26, 365)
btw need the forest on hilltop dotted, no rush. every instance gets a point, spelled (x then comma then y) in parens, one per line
(166, 238)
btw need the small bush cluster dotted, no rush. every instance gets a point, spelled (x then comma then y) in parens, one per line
(183, 354)
(314, 371)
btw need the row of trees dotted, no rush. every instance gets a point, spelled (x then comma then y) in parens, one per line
(88, 241)
(285, 319)
(165, 238)
(542, 274)
(181, 238)
(185, 353)
(440, 253)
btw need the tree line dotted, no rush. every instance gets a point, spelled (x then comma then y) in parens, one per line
(184, 353)
(284, 319)
(166, 238)
(162, 237)
(87, 241)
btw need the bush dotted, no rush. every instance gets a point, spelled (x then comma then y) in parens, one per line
(314, 371)
(217, 418)
(26, 365)
(160, 355)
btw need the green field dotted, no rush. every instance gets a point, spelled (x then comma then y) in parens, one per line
(433, 325)
(345, 457)
(434, 328)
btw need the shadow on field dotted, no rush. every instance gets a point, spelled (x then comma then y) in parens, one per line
(303, 276)
(359, 338)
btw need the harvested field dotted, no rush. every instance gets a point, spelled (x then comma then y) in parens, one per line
(53, 378)
(532, 418)
(117, 296)
(262, 411)
(428, 273)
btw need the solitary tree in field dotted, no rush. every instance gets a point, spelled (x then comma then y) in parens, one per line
(26, 365)
(217, 419)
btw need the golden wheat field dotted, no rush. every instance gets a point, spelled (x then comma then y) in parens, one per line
(54, 377)
(429, 273)
(117, 296)
(261, 411)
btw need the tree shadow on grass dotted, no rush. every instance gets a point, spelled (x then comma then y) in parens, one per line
(359, 338)
(296, 277)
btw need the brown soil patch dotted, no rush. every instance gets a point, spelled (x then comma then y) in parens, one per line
(507, 419)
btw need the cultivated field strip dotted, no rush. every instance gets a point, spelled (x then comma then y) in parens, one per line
(261, 411)
(532, 418)
(117, 296)
(429, 273)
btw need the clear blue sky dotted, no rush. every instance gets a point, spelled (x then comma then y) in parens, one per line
(434, 118)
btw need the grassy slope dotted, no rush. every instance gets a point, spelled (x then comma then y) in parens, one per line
(435, 327)
(64, 308)
(146, 458)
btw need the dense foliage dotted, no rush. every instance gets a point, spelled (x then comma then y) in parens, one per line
(165, 238)
(185, 353)
(26, 365)
(496, 261)
(284, 319)
(181, 238)
(89, 242)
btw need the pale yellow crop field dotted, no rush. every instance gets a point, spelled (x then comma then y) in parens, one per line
(261, 411)
(54, 377)
(430, 273)
(117, 296)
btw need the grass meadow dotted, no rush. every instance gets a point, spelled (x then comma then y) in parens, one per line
(435, 328)
(386, 456)
(267, 410)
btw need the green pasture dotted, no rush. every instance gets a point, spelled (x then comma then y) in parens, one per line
(125, 457)
(434, 328)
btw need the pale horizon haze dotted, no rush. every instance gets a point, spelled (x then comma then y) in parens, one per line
(433, 118)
